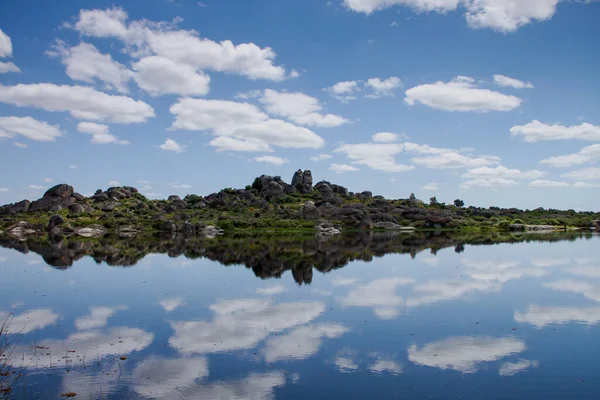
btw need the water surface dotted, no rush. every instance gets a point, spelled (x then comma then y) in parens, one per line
(362, 316)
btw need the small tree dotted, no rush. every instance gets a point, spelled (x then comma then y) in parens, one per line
(459, 203)
(433, 201)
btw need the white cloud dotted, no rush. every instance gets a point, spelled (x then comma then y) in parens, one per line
(158, 76)
(177, 185)
(344, 91)
(300, 343)
(536, 131)
(383, 88)
(98, 317)
(73, 166)
(380, 295)
(6, 67)
(499, 176)
(81, 102)
(385, 365)
(500, 15)
(114, 183)
(20, 145)
(540, 316)
(30, 128)
(240, 324)
(171, 304)
(159, 378)
(431, 187)
(341, 281)
(118, 341)
(224, 143)
(464, 353)
(4, 190)
(278, 161)
(85, 63)
(100, 133)
(5, 45)
(377, 156)
(460, 94)
(35, 187)
(511, 82)
(453, 160)
(510, 368)
(320, 157)
(171, 145)
(540, 183)
(241, 121)
(271, 290)
(299, 108)
(340, 168)
(586, 155)
(585, 174)
(163, 39)
(385, 137)
(29, 321)
(48, 180)
(252, 94)
(585, 185)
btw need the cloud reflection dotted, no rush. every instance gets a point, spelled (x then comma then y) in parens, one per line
(510, 368)
(30, 320)
(541, 316)
(98, 317)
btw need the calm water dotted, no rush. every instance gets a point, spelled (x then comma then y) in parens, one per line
(353, 317)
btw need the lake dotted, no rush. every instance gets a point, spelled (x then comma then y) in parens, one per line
(274, 316)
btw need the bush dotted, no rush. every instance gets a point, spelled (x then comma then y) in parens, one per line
(518, 221)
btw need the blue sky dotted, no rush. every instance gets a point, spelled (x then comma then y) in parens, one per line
(491, 101)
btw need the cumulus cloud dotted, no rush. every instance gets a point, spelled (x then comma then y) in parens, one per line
(344, 91)
(503, 80)
(541, 183)
(460, 94)
(454, 160)
(79, 101)
(430, 187)
(20, 145)
(98, 317)
(494, 177)
(170, 305)
(29, 321)
(540, 316)
(588, 154)
(536, 131)
(301, 342)
(100, 133)
(245, 123)
(501, 15)
(299, 108)
(584, 174)
(171, 145)
(385, 365)
(158, 75)
(513, 368)
(6, 67)
(277, 161)
(35, 187)
(377, 156)
(320, 157)
(382, 88)
(464, 353)
(164, 39)
(240, 324)
(224, 143)
(340, 168)
(159, 378)
(86, 63)
(5, 45)
(29, 127)
(385, 137)
(585, 288)
(380, 295)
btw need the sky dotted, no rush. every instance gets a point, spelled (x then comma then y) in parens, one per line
(494, 102)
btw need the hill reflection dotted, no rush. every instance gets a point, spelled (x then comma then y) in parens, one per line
(268, 255)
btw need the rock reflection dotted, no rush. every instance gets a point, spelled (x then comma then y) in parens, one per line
(465, 353)
(268, 255)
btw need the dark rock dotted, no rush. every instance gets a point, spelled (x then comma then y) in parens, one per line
(61, 190)
(19, 207)
(110, 206)
(339, 190)
(174, 197)
(115, 194)
(76, 209)
(186, 229)
(366, 195)
(178, 204)
(325, 190)
(298, 178)
(310, 211)
(55, 208)
(42, 204)
(168, 226)
(55, 220)
(273, 191)
(100, 197)
(78, 196)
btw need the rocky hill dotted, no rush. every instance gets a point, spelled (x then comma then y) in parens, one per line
(269, 202)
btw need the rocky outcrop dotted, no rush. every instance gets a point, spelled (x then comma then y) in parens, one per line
(303, 181)
(310, 211)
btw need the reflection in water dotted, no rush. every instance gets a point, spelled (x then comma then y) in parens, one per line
(464, 353)
(542, 316)
(467, 322)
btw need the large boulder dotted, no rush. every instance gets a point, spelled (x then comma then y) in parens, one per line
(19, 207)
(298, 178)
(100, 197)
(42, 204)
(273, 191)
(324, 189)
(310, 211)
(302, 180)
(55, 220)
(75, 209)
(61, 190)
